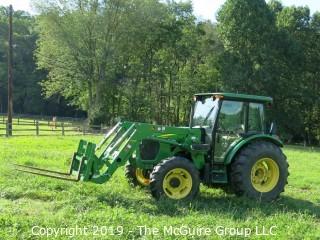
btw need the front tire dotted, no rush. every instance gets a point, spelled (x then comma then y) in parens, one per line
(136, 176)
(175, 178)
(259, 171)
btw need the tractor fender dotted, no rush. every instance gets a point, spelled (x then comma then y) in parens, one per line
(235, 148)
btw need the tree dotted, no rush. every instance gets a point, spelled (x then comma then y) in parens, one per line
(120, 58)
(27, 91)
(268, 50)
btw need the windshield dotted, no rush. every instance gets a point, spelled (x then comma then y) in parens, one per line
(205, 112)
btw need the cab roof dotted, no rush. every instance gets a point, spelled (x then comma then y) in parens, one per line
(238, 97)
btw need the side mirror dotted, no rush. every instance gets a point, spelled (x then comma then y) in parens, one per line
(273, 129)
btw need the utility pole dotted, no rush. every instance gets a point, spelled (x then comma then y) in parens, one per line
(10, 77)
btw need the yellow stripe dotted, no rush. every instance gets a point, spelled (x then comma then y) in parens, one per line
(167, 135)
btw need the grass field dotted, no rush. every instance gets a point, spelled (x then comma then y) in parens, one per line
(32, 202)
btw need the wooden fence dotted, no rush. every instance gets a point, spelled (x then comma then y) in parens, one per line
(22, 127)
(42, 117)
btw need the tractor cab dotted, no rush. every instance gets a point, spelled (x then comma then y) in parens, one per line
(226, 118)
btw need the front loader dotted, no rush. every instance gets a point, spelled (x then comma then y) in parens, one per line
(227, 145)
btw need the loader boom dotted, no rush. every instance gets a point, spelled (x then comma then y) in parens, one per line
(86, 165)
(97, 163)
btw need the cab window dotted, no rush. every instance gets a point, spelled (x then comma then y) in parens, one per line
(232, 117)
(256, 118)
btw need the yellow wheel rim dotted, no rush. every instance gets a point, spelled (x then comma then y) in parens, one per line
(265, 175)
(141, 178)
(177, 183)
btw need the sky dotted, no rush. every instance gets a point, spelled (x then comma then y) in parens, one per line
(207, 9)
(203, 9)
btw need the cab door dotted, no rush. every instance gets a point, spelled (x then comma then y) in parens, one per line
(231, 125)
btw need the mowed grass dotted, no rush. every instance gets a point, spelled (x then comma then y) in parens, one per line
(27, 200)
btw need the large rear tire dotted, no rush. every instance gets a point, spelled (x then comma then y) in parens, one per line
(175, 178)
(259, 171)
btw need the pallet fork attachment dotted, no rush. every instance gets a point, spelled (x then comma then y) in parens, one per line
(86, 165)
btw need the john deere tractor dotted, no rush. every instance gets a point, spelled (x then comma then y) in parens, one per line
(226, 145)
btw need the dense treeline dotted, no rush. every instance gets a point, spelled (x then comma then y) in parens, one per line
(275, 50)
(140, 60)
(143, 59)
(27, 90)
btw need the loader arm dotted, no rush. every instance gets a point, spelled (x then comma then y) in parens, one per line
(96, 163)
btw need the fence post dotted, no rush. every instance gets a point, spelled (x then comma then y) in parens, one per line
(7, 129)
(101, 128)
(18, 120)
(84, 129)
(62, 127)
(37, 128)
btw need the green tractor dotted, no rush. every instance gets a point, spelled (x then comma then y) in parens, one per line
(226, 145)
